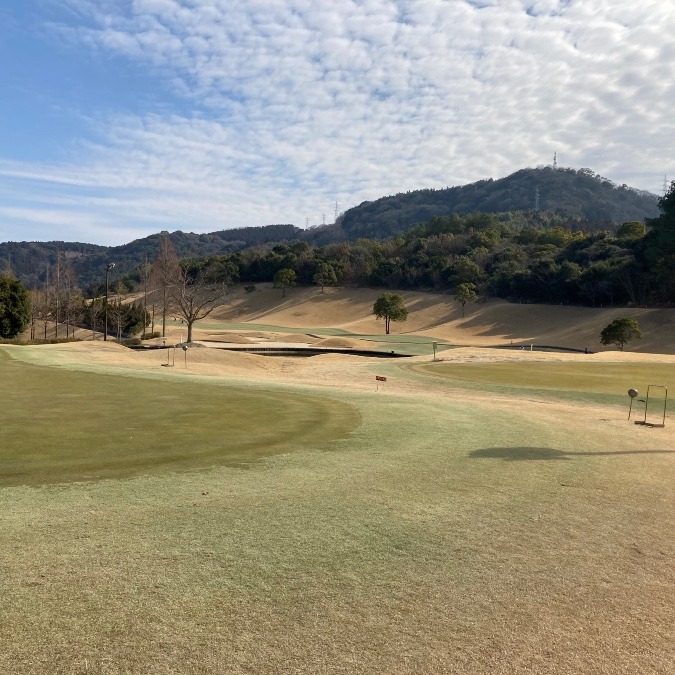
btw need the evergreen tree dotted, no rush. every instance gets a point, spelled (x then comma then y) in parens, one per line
(14, 307)
(620, 332)
(390, 307)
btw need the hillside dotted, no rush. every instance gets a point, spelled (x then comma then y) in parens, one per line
(437, 316)
(580, 199)
(29, 261)
(576, 199)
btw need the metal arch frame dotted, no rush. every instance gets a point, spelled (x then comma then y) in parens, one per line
(665, 404)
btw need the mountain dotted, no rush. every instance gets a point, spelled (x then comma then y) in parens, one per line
(579, 199)
(582, 198)
(30, 261)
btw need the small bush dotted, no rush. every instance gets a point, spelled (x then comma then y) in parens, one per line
(250, 288)
(131, 342)
(150, 336)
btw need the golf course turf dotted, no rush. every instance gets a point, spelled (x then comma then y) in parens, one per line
(65, 426)
(450, 530)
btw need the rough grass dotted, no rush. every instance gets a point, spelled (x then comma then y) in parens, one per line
(442, 536)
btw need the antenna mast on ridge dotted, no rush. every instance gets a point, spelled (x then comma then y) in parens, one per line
(555, 159)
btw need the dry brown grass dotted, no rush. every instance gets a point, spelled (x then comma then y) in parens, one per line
(437, 315)
(454, 531)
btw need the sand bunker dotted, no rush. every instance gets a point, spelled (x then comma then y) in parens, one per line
(342, 343)
(232, 338)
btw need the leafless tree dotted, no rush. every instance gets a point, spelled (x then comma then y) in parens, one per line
(71, 299)
(164, 276)
(192, 299)
(116, 308)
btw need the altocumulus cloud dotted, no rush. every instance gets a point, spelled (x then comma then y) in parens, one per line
(296, 104)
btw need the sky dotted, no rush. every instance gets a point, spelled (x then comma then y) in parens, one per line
(122, 118)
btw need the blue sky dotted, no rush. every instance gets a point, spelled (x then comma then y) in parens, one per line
(120, 118)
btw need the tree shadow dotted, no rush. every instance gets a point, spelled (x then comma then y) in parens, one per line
(520, 454)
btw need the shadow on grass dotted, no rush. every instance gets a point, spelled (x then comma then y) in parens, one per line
(533, 454)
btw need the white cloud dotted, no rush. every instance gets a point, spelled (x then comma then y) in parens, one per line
(298, 103)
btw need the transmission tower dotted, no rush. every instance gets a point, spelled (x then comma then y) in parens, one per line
(664, 187)
(337, 211)
(555, 159)
(306, 222)
(323, 218)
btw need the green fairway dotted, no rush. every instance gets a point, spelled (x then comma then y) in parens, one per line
(62, 426)
(600, 380)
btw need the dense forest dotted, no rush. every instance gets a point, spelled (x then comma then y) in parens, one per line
(32, 261)
(543, 197)
(508, 255)
(522, 256)
(580, 199)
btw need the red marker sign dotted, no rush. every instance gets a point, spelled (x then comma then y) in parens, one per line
(380, 378)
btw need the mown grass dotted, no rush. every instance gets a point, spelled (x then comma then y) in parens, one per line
(442, 536)
(64, 426)
(602, 382)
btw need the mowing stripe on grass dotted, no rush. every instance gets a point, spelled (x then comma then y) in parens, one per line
(63, 426)
(602, 382)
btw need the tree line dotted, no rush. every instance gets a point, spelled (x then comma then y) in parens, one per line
(513, 256)
(56, 307)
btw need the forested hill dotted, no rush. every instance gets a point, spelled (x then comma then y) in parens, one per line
(30, 261)
(581, 199)
(577, 200)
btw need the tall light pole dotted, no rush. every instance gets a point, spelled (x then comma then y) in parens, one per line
(108, 267)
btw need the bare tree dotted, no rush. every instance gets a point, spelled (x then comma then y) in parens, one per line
(93, 309)
(165, 275)
(117, 309)
(71, 300)
(193, 299)
(45, 305)
(145, 273)
(34, 310)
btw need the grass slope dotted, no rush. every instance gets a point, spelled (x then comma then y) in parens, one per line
(438, 316)
(606, 382)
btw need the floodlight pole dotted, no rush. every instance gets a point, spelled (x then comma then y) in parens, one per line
(108, 267)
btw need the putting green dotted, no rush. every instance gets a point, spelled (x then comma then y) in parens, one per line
(64, 426)
(560, 378)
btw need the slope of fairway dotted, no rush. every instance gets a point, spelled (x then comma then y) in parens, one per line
(62, 426)
(610, 381)
(438, 316)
